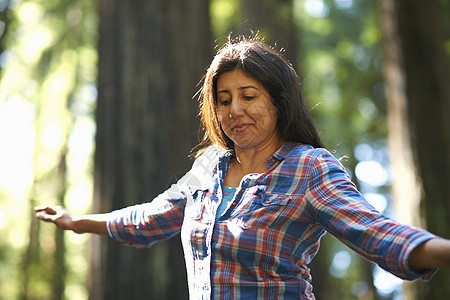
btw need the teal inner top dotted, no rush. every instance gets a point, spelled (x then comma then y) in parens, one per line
(227, 197)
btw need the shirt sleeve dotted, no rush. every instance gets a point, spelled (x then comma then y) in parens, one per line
(337, 205)
(145, 224)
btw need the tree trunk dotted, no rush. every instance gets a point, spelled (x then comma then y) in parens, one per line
(151, 56)
(58, 279)
(274, 20)
(418, 95)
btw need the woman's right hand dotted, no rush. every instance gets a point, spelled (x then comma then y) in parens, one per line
(58, 215)
(62, 218)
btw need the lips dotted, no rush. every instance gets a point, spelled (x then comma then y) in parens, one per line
(240, 127)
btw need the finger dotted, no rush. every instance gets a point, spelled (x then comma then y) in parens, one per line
(47, 209)
(46, 217)
(49, 213)
(40, 208)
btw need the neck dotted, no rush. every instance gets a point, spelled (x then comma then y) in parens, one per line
(254, 160)
(247, 161)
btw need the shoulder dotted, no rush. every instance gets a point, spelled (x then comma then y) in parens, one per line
(210, 157)
(306, 161)
(316, 168)
(306, 154)
(204, 168)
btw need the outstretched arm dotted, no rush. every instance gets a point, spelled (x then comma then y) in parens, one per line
(434, 253)
(62, 218)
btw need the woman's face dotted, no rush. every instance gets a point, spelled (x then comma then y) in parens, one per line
(246, 112)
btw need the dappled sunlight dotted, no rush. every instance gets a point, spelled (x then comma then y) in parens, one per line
(372, 173)
(316, 8)
(2, 219)
(344, 3)
(32, 36)
(387, 284)
(378, 201)
(17, 145)
(30, 13)
(41, 75)
(340, 264)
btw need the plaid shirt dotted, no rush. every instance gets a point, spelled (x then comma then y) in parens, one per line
(260, 248)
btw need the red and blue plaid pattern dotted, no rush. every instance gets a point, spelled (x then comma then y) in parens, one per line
(260, 247)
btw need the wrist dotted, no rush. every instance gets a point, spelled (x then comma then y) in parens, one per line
(441, 250)
(90, 224)
(434, 253)
(77, 225)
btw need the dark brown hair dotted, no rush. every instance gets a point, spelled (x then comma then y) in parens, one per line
(261, 62)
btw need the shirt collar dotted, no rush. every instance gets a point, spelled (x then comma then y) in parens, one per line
(279, 155)
(284, 151)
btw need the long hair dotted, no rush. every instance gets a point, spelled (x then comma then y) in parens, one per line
(261, 62)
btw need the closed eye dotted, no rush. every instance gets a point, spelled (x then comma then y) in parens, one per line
(224, 102)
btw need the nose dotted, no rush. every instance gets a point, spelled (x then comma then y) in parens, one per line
(236, 109)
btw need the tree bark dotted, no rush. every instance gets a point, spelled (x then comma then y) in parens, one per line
(151, 56)
(58, 280)
(274, 20)
(416, 74)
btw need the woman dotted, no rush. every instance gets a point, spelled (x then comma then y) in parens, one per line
(261, 193)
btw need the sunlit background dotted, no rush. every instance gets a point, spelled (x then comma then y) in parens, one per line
(47, 100)
(47, 126)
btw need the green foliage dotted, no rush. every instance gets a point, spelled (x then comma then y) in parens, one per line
(47, 97)
(224, 14)
(341, 72)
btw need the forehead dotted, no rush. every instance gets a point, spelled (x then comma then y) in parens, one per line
(236, 79)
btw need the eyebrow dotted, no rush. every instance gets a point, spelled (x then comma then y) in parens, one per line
(240, 89)
(248, 87)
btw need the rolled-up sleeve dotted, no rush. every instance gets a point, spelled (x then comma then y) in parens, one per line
(336, 204)
(145, 224)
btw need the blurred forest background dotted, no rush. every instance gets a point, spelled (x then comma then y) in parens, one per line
(97, 111)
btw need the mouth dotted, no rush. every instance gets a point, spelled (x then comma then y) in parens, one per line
(240, 127)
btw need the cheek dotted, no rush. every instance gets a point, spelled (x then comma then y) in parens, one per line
(266, 114)
(220, 119)
(222, 116)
